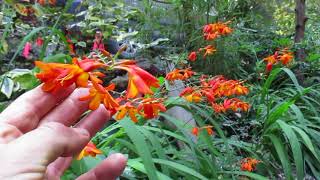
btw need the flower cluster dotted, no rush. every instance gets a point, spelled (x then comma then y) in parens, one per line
(148, 108)
(211, 32)
(249, 164)
(283, 56)
(195, 131)
(179, 74)
(89, 150)
(44, 2)
(218, 89)
(84, 72)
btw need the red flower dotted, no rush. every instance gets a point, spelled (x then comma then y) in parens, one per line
(195, 131)
(139, 81)
(56, 76)
(269, 67)
(151, 107)
(39, 42)
(192, 56)
(89, 150)
(249, 164)
(191, 95)
(179, 74)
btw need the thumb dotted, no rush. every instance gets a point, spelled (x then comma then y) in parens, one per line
(50, 141)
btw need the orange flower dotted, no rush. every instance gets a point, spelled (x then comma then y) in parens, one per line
(249, 164)
(179, 74)
(219, 87)
(212, 31)
(195, 131)
(56, 76)
(192, 56)
(89, 150)
(127, 109)
(270, 59)
(234, 104)
(139, 81)
(191, 95)
(209, 130)
(41, 2)
(99, 94)
(209, 50)
(283, 56)
(218, 108)
(151, 107)
(286, 58)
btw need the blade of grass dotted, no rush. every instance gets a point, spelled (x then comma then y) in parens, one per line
(248, 174)
(157, 146)
(282, 155)
(180, 167)
(295, 147)
(141, 145)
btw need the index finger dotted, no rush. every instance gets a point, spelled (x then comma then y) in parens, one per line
(26, 111)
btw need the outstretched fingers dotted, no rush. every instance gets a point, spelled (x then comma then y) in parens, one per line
(109, 169)
(26, 112)
(93, 122)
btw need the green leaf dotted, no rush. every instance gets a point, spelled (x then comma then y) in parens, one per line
(307, 141)
(180, 167)
(293, 78)
(82, 44)
(282, 108)
(268, 82)
(157, 146)
(248, 174)
(141, 146)
(282, 155)
(27, 81)
(7, 86)
(295, 147)
(135, 164)
(58, 58)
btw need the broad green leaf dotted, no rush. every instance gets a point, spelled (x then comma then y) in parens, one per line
(248, 174)
(282, 155)
(293, 78)
(180, 167)
(58, 58)
(295, 147)
(135, 164)
(307, 141)
(157, 146)
(141, 145)
(268, 82)
(7, 86)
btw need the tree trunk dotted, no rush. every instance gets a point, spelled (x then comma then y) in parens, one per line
(301, 20)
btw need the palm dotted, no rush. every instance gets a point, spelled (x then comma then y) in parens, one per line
(36, 109)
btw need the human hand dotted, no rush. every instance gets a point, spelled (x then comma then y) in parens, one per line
(37, 142)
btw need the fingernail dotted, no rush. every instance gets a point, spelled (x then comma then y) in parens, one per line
(82, 131)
